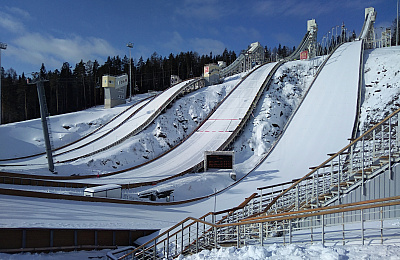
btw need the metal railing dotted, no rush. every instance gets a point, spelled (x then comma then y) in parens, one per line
(370, 154)
(191, 234)
(325, 224)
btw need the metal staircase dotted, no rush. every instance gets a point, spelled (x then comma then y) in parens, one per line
(374, 152)
(365, 158)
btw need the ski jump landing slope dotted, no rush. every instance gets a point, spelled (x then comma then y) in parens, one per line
(209, 137)
(117, 130)
(323, 123)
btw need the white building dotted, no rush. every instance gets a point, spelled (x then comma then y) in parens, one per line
(114, 90)
(211, 74)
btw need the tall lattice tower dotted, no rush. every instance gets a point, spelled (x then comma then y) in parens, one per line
(368, 29)
(312, 29)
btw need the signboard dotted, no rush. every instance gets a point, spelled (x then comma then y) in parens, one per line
(218, 160)
(304, 55)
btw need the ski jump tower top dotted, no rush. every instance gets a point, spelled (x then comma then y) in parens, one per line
(308, 43)
(312, 30)
(254, 55)
(367, 31)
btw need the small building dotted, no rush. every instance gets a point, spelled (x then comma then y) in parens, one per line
(114, 90)
(104, 191)
(211, 74)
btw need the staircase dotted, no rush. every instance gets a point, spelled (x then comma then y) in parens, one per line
(368, 156)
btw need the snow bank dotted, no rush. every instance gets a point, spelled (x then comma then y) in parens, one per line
(26, 137)
(316, 251)
(382, 82)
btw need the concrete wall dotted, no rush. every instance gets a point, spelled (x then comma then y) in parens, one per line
(44, 239)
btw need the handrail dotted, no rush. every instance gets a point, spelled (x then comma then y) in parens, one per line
(332, 207)
(214, 227)
(241, 206)
(352, 144)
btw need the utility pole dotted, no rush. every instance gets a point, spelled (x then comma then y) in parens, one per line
(3, 46)
(39, 81)
(130, 46)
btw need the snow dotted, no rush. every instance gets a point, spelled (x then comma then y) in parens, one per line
(323, 123)
(65, 128)
(292, 251)
(166, 131)
(332, 100)
(273, 252)
(381, 77)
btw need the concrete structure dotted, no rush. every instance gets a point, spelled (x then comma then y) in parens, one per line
(175, 80)
(107, 191)
(114, 90)
(368, 32)
(222, 64)
(312, 28)
(386, 38)
(211, 74)
(254, 55)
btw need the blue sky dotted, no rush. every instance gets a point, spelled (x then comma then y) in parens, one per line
(55, 31)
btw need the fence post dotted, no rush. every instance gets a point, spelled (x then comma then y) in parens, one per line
(362, 226)
(238, 236)
(261, 234)
(290, 231)
(155, 249)
(311, 229)
(362, 168)
(215, 236)
(167, 244)
(323, 229)
(343, 229)
(381, 215)
(182, 238)
(297, 196)
(197, 237)
(188, 237)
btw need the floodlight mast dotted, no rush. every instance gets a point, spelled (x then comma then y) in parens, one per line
(130, 46)
(3, 46)
(39, 82)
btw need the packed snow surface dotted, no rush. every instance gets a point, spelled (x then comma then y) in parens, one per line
(380, 95)
(273, 252)
(293, 252)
